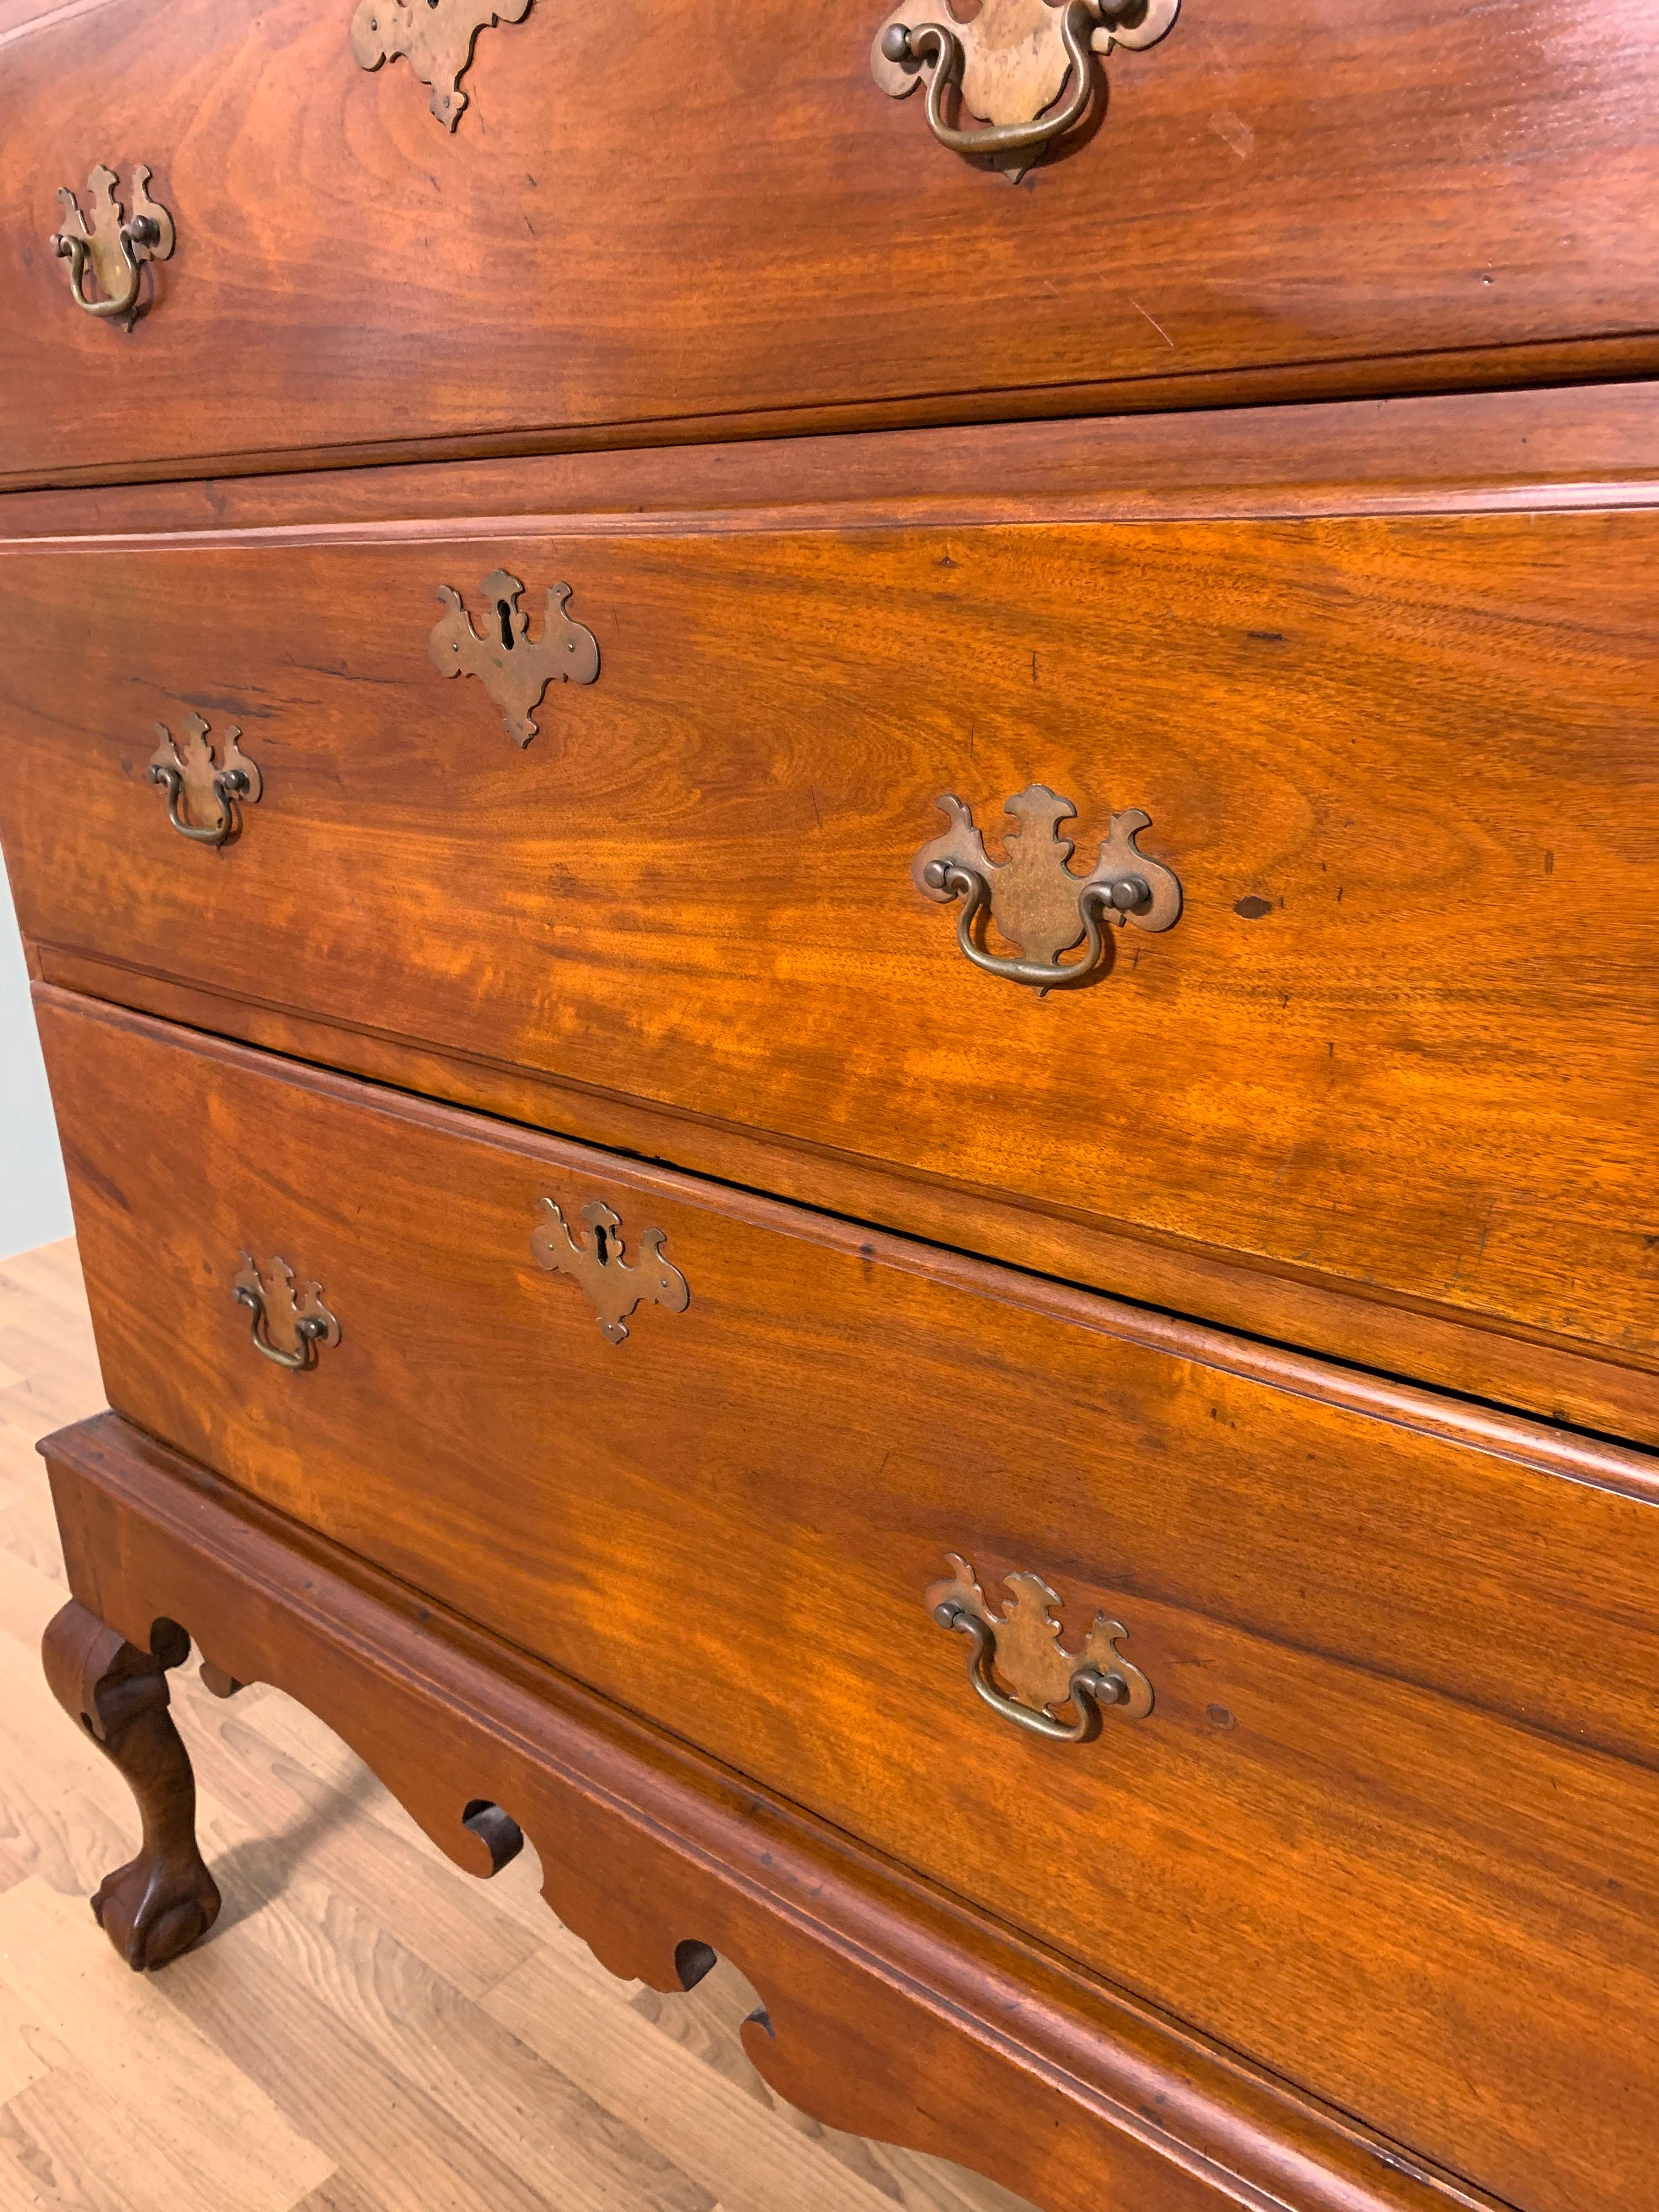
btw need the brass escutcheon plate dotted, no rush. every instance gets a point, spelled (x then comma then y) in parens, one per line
(513, 668)
(615, 1285)
(436, 36)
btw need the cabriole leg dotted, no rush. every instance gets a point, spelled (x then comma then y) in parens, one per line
(164, 1900)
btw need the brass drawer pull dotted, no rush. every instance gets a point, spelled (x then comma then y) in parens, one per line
(205, 793)
(1010, 66)
(1034, 899)
(514, 670)
(117, 250)
(438, 37)
(290, 1322)
(1023, 1645)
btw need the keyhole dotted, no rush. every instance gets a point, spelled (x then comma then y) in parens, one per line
(506, 614)
(601, 1244)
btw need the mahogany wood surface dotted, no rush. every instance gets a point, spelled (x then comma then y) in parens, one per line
(1395, 1340)
(993, 2049)
(1401, 1041)
(715, 222)
(1391, 1827)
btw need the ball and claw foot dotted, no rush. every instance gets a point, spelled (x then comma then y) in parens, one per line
(152, 1910)
(164, 1900)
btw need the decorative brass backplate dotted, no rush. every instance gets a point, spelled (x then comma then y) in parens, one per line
(1009, 66)
(117, 247)
(206, 792)
(596, 1263)
(1034, 897)
(1018, 1666)
(436, 35)
(514, 670)
(290, 1322)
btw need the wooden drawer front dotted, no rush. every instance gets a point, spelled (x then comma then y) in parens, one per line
(1391, 1825)
(1403, 1037)
(636, 225)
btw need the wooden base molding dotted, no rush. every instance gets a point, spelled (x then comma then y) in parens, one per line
(991, 2052)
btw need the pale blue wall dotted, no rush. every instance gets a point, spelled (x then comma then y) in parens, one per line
(35, 1205)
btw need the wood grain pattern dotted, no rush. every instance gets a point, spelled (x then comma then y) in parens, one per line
(644, 233)
(1405, 1688)
(1401, 1041)
(333, 2048)
(1392, 1339)
(996, 2049)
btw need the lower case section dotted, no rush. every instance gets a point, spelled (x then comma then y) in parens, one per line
(889, 2009)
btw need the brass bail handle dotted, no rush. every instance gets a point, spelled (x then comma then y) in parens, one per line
(1039, 903)
(1023, 1641)
(117, 247)
(228, 785)
(1089, 1688)
(273, 1293)
(208, 779)
(1125, 896)
(934, 43)
(1010, 64)
(143, 230)
(310, 1333)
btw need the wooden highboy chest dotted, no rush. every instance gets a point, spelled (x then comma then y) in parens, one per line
(841, 841)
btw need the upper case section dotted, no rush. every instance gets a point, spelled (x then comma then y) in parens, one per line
(1396, 1053)
(652, 224)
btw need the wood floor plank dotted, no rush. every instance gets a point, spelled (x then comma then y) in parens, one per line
(343, 2193)
(350, 2095)
(73, 2144)
(745, 2152)
(28, 2048)
(63, 1811)
(139, 2050)
(537, 2122)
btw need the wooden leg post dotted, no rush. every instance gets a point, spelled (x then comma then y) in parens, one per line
(164, 1900)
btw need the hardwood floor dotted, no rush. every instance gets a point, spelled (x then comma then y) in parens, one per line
(367, 2029)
